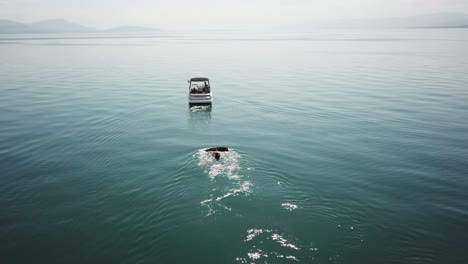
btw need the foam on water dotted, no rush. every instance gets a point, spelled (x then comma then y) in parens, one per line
(226, 167)
(289, 206)
(259, 240)
(283, 242)
(200, 108)
(252, 233)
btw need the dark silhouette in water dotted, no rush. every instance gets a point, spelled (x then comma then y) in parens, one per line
(216, 155)
(215, 150)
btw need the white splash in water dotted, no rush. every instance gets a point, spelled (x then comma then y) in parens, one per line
(252, 233)
(206, 201)
(287, 257)
(242, 260)
(243, 187)
(283, 242)
(292, 257)
(256, 255)
(227, 165)
(289, 206)
(199, 108)
(257, 237)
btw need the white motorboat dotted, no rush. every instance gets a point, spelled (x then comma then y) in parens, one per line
(200, 91)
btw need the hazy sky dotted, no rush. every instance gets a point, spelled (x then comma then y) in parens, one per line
(209, 14)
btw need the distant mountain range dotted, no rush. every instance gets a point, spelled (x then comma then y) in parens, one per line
(438, 20)
(458, 26)
(59, 26)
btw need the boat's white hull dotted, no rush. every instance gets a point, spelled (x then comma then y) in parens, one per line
(200, 98)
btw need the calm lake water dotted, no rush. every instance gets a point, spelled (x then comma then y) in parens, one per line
(347, 147)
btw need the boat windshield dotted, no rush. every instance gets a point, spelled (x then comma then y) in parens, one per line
(199, 87)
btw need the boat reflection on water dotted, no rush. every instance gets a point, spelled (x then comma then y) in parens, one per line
(200, 115)
(201, 108)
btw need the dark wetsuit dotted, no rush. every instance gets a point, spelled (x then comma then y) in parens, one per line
(215, 150)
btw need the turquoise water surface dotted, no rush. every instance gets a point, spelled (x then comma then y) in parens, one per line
(347, 147)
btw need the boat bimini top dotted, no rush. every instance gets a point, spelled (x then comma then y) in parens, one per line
(199, 79)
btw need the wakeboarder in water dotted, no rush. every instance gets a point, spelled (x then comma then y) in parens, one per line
(215, 150)
(216, 155)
